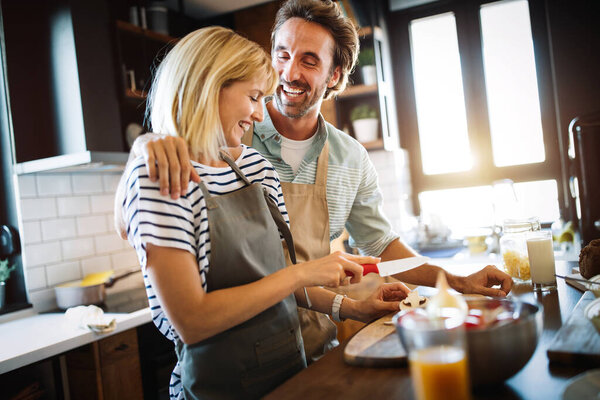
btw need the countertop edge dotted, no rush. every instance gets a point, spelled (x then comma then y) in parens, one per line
(44, 348)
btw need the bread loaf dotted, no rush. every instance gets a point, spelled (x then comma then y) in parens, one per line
(589, 259)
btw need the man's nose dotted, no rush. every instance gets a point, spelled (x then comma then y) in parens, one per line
(291, 72)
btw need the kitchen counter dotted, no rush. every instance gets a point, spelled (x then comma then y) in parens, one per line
(36, 337)
(330, 377)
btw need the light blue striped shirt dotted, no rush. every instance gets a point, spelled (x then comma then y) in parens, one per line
(353, 195)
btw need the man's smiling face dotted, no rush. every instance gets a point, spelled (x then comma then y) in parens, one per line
(303, 58)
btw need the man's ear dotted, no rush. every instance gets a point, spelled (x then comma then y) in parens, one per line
(335, 77)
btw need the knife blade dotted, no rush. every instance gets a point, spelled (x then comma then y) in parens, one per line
(387, 268)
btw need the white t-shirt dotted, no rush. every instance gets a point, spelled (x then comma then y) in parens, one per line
(293, 151)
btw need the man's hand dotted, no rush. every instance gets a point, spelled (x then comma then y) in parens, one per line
(167, 159)
(481, 282)
(384, 300)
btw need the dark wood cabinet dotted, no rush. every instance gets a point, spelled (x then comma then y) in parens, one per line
(106, 369)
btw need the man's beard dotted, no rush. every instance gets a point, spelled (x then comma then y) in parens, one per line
(298, 110)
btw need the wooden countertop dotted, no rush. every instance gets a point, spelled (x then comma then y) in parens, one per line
(331, 378)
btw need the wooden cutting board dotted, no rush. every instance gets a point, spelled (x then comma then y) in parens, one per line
(577, 341)
(376, 345)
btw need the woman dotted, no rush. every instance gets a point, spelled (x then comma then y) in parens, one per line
(212, 260)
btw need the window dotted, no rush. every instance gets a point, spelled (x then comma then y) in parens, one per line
(471, 114)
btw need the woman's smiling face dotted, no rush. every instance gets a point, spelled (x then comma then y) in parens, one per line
(240, 104)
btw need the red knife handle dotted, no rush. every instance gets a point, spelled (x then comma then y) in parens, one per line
(367, 269)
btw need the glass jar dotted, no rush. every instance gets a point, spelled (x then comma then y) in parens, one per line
(513, 246)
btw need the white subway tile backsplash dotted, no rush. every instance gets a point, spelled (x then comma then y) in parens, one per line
(63, 272)
(95, 264)
(83, 240)
(42, 253)
(43, 300)
(91, 225)
(67, 231)
(53, 184)
(111, 181)
(77, 205)
(77, 248)
(110, 223)
(124, 259)
(32, 232)
(103, 203)
(36, 278)
(53, 229)
(27, 186)
(34, 209)
(109, 243)
(87, 183)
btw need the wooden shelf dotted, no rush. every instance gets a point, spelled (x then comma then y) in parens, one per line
(358, 90)
(135, 94)
(374, 145)
(126, 26)
(365, 31)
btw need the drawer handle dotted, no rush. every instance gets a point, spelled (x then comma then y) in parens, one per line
(122, 347)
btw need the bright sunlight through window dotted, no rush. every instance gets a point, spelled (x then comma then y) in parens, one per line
(439, 95)
(474, 207)
(511, 84)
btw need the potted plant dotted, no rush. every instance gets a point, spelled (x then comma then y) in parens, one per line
(366, 62)
(5, 270)
(365, 122)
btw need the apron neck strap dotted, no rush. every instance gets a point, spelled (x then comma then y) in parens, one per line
(322, 165)
(208, 198)
(225, 156)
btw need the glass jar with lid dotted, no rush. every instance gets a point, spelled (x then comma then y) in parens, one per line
(513, 246)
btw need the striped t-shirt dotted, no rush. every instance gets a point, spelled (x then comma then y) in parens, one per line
(183, 223)
(354, 199)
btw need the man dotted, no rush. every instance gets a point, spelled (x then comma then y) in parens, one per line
(327, 178)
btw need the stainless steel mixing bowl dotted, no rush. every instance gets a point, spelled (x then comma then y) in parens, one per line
(498, 352)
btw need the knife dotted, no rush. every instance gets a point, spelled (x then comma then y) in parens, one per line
(393, 267)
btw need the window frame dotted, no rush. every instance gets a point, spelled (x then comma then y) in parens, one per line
(483, 172)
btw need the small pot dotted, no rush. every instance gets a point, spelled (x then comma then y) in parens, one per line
(71, 294)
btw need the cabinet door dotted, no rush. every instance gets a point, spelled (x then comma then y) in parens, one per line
(120, 366)
(106, 369)
(385, 85)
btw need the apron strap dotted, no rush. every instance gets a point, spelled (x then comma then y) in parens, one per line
(273, 208)
(208, 198)
(322, 165)
(282, 225)
(225, 156)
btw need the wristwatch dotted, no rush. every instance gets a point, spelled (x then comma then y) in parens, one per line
(335, 307)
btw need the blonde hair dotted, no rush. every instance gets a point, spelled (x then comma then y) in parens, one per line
(184, 98)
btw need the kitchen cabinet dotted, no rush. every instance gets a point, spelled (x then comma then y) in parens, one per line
(106, 369)
(378, 96)
(138, 53)
(61, 96)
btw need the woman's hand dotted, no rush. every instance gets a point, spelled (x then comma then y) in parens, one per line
(167, 159)
(385, 299)
(331, 270)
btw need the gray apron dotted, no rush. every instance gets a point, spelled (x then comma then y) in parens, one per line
(252, 358)
(307, 209)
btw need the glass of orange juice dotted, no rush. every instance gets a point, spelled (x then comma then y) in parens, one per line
(437, 355)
